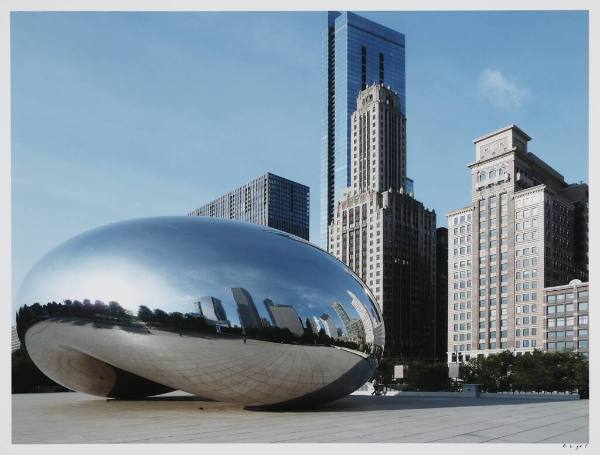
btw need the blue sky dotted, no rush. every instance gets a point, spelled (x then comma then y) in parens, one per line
(124, 115)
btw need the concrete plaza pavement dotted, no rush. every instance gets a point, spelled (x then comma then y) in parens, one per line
(178, 417)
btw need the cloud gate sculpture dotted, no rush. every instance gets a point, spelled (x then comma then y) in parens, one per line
(221, 309)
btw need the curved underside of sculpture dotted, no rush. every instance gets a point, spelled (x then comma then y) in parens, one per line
(120, 363)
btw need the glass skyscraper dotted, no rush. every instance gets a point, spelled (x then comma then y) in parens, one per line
(356, 52)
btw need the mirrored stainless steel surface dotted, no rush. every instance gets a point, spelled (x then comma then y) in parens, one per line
(222, 309)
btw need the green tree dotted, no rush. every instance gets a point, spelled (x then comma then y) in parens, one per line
(145, 314)
(176, 320)
(532, 371)
(581, 374)
(427, 376)
(161, 317)
(116, 310)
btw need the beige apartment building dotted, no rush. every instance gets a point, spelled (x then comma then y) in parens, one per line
(15, 342)
(566, 317)
(381, 232)
(525, 229)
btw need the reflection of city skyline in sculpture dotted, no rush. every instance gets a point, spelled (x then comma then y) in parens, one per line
(314, 324)
(284, 317)
(169, 284)
(352, 330)
(365, 318)
(212, 310)
(358, 328)
(249, 317)
(329, 325)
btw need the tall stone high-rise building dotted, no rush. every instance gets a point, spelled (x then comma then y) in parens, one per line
(356, 52)
(525, 229)
(381, 232)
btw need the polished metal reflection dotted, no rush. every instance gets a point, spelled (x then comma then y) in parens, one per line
(222, 309)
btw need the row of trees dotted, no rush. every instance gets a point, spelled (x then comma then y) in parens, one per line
(420, 375)
(99, 311)
(535, 371)
(184, 323)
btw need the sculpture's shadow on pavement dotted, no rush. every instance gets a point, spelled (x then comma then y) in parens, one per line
(165, 398)
(362, 403)
(355, 403)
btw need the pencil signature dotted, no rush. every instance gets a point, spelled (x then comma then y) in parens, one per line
(575, 446)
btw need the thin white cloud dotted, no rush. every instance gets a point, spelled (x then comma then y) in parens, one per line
(501, 92)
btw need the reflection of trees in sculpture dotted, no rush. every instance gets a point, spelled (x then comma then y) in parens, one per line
(308, 337)
(188, 322)
(113, 314)
(97, 312)
(144, 313)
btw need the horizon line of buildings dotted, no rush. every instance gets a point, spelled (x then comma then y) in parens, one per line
(477, 287)
(510, 272)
